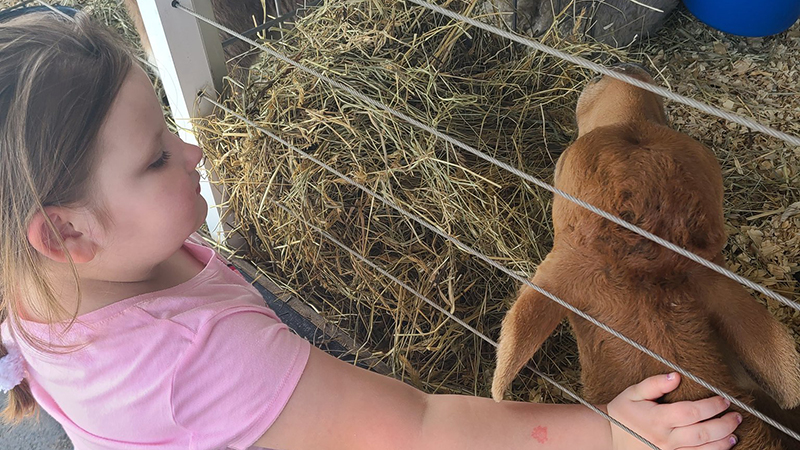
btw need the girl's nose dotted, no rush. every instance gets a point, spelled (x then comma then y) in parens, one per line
(193, 156)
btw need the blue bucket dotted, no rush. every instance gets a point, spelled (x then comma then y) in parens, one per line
(753, 18)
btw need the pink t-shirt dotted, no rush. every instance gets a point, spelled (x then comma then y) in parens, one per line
(202, 365)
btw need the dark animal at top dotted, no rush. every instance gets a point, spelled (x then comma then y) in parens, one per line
(614, 22)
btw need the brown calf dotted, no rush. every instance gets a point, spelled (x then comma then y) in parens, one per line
(629, 163)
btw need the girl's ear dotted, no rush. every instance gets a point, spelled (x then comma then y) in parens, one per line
(45, 238)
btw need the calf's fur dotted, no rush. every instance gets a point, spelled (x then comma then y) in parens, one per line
(629, 163)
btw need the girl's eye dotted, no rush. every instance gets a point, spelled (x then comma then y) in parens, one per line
(160, 162)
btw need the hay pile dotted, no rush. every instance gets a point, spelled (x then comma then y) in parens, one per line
(475, 87)
(516, 106)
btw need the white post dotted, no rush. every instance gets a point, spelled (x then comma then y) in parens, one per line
(189, 57)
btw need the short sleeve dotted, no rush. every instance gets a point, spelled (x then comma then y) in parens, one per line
(236, 377)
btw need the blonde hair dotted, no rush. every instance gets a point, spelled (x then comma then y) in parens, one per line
(58, 78)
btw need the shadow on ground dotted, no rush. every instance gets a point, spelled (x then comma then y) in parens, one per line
(32, 434)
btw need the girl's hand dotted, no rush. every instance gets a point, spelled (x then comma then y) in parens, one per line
(672, 425)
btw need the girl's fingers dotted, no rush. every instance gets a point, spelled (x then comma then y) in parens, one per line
(715, 432)
(654, 387)
(681, 414)
(722, 444)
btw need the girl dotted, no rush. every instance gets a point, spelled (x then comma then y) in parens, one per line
(132, 335)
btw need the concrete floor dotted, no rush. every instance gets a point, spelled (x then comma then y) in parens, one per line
(42, 434)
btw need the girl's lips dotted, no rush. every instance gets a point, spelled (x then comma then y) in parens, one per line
(198, 182)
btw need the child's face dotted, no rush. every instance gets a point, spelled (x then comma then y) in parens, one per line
(147, 182)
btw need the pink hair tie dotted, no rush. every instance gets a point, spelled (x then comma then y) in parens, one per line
(12, 369)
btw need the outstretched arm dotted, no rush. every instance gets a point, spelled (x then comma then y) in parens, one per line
(340, 406)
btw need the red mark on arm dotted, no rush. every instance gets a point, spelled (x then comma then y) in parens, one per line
(540, 434)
